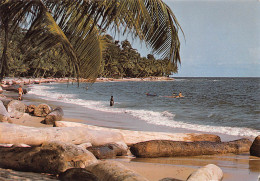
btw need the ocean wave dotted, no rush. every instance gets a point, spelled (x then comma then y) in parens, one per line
(164, 118)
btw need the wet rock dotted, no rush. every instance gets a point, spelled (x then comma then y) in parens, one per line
(208, 173)
(255, 148)
(114, 171)
(78, 174)
(166, 148)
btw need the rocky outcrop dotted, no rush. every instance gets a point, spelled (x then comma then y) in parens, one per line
(77, 174)
(208, 173)
(255, 148)
(51, 157)
(132, 137)
(16, 134)
(114, 171)
(166, 148)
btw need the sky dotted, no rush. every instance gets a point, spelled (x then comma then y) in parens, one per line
(222, 37)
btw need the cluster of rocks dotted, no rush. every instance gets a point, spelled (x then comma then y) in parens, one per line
(80, 153)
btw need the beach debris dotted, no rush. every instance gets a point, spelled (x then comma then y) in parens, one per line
(113, 171)
(1, 90)
(42, 110)
(170, 179)
(15, 108)
(132, 137)
(166, 148)
(77, 174)
(55, 115)
(110, 150)
(4, 115)
(207, 173)
(50, 157)
(16, 134)
(30, 109)
(255, 148)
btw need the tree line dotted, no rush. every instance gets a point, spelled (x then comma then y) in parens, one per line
(119, 60)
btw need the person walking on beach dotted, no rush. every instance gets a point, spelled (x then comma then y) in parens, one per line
(111, 101)
(20, 92)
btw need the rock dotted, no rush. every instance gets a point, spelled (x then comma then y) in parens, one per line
(166, 148)
(51, 157)
(11, 175)
(132, 137)
(85, 145)
(208, 173)
(114, 171)
(30, 109)
(15, 108)
(4, 115)
(77, 174)
(110, 150)
(255, 148)
(16, 134)
(170, 179)
(42, 110)
(55, 115)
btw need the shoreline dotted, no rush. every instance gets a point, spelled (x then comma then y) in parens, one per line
(235, 167)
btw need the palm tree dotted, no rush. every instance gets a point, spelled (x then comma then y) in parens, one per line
(76, 27)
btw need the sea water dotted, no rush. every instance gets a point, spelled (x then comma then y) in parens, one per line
(219, 105)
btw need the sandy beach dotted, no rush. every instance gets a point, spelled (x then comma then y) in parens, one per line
(235, 167)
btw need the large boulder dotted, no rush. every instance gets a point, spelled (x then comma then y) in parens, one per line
(114, 171)
(166, 148)
(209, 172)
(51, 157)
(255, 148)
(55, 115)
(42, 110)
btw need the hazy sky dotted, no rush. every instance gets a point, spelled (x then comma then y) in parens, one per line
(222, 37)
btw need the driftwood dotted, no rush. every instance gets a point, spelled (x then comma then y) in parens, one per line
(207, 173)
(17, 134)
(15, 108)
(132, 137)
(42, 110)
(113, 171)
(30, 109)
(166, 148)
(255, 148)
(55, 115)
(4, 115)
(53, 157)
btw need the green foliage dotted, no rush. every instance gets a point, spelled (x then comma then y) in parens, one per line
(66, 37)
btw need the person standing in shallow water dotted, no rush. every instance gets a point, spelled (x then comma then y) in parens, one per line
(111, 101)
(20, 92)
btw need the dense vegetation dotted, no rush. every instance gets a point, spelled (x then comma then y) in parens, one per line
(66, 38)
(119, 60)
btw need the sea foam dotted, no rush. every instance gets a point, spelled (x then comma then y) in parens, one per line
(164, 118)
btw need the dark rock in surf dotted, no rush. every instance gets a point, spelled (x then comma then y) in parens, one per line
(79, 174)
(166, 148)
(255, 148)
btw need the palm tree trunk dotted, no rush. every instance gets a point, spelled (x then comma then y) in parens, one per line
(3, 63)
